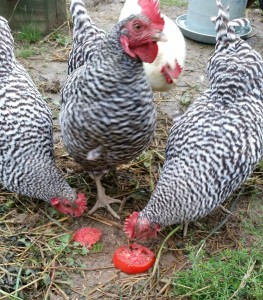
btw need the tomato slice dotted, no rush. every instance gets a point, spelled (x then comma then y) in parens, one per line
(87, 236)
(133, 258)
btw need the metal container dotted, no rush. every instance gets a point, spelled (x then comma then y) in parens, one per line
(200, 11)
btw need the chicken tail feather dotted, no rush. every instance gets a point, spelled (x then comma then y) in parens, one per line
(234, 70)
(86, 36)
(6, 45)
(225, 29)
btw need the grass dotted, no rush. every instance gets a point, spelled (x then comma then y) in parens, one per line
(29, 33)
(178, 3)
(25, 52)
(30, 42)
(61, 39)
(256, 4)
(231, 273)
(185, 100)
(31, 252)
(252, 223)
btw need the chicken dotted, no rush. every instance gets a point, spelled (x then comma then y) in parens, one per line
(86, 37)
(215, 145)
(107, 112)
(27, 164)
(167, 66)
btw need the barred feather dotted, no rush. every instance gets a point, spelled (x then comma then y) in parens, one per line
(26, 148)
(86, 36)
(215, 145)
(107, 111)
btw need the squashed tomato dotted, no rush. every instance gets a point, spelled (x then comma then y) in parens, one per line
(133, 259)
(87, 236)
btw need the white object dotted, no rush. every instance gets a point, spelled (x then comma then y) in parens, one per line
(171, 54)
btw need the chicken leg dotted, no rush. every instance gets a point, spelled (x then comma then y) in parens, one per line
(103, 200)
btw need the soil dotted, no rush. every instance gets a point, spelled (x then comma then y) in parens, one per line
(102, 280)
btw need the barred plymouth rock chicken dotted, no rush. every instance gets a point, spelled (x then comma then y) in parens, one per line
(86, 37)
(107, 111)
(216, 144)
(167, 66)
(27, 164)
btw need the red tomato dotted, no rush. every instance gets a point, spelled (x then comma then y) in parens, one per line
(87, 236)
(133, 259)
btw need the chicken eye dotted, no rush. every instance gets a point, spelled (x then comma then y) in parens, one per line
(137, 26)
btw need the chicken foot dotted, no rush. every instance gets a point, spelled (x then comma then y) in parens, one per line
(103, 200)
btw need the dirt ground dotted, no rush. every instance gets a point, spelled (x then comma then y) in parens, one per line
(101, 280)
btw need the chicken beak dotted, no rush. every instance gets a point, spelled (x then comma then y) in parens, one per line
(159, 37)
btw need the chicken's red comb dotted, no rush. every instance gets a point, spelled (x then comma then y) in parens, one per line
(130, 224)
(75, 209)
(81, 202)
(151, 9)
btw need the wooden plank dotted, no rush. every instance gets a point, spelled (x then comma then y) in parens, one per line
(46, 15)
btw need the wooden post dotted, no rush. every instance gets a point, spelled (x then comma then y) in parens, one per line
(46, 15)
